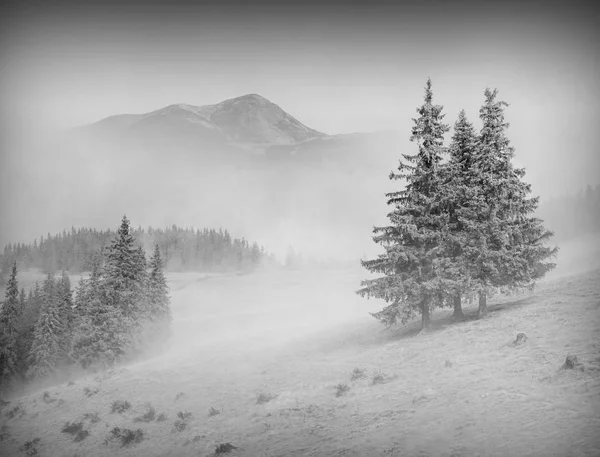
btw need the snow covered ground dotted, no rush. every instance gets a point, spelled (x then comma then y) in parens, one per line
(460, 390)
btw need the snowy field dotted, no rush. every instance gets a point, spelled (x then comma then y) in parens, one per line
(296, 337)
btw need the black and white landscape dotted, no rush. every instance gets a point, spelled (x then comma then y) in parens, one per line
(311, 229)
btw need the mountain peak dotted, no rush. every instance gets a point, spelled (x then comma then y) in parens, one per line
(253, 96)
(249, 119)
(254, 119)
(248, 99)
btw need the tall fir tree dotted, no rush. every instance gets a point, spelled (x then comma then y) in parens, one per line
(22, 299)
(27, 328)
(124, 284)
(125, 271)
(88, 289)
(100, 336)
(10, 316)
(21, 341)
(158, 291)
(456, 196)
(65, 304)
(122, 264)
(410, 282)
(157, 326)
(504, 245)
(111, 307)
(46, 350)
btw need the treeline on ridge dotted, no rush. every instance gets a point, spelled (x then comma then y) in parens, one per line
(184, 249)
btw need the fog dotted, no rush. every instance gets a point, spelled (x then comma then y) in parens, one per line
(326, 209)
(321, 211)
(69, 66)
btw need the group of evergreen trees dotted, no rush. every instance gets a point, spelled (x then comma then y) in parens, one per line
(123, 308)
(204, 250)
(460, 228)
(184, 250)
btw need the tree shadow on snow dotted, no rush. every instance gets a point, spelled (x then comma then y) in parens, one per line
(375, 334)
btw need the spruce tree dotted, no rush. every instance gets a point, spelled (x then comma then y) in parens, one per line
(125, 270)
(65, 303)
(124, 282)
(159, 318)
(22, 299)
(27, 328)
(100, 337)
(456, 195)
(410, 281)
(10, 315)
(111, 306)
(21, 333)
(141, 285)
(158, 291)
(88, 289)
(100, 328)
(46, 351)
(123, 266)
(504, 245)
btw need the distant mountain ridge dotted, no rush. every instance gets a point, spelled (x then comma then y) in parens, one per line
(243, 132)
(249, 120)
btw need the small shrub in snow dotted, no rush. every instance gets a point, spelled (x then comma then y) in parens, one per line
(148, 416)
(264, 397)
(120, 406)
(125, 437)
(357, 374)
(341, 389)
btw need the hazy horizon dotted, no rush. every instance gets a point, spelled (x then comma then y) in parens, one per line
(334, 67)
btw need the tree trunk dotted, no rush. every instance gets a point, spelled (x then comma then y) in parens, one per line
(458, 312)
(425, 316)
(482, 305)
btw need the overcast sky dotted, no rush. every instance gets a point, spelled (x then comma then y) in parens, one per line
(336, 68)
